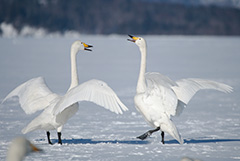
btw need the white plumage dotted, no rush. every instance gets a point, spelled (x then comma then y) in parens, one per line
(95, 91)
(158, 97)
(34, 95)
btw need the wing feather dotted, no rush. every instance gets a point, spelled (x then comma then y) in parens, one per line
(154, 78)
(186, 88)
(95, 91)
(33, 95)
(160, 86)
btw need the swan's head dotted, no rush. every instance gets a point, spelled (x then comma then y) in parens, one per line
(137, 40)
(19, 148)
(78, 45)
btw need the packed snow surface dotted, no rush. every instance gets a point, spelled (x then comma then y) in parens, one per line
(210, 125)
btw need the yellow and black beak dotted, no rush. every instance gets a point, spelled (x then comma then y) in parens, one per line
(133, 38)
(86, 47)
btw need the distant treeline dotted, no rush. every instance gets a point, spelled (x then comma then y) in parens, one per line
(120, 17)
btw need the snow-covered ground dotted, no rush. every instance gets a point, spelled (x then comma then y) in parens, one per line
(210, 125)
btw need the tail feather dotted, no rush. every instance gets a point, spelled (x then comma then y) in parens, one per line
(171, 129)
(29, 129)
(38, 123)
(33, 125)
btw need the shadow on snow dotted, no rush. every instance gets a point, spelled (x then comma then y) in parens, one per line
(91, 141)
(140, 142)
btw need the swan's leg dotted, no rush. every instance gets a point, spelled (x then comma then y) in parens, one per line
(162, 134)
(59, 129)
(48, 137)
(147, 134)
(59, 138)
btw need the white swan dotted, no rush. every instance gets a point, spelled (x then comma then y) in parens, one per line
(158, 98)
(34, 95)
(19, 148)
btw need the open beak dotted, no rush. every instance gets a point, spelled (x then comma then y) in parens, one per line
(133, 38)
(86, 47)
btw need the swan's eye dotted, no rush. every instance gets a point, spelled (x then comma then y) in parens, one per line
(139, 38)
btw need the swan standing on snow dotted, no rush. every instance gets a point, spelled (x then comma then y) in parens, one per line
(19, 148)
(34, 95)
(158, 98)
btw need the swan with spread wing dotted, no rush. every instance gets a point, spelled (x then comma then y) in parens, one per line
(158, 97)
(34, 95)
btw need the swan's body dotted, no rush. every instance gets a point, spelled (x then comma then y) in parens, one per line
(158, 98)
(19, 148)
(34, 95)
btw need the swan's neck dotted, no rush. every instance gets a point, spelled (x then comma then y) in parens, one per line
(141, 85)
(74, 75)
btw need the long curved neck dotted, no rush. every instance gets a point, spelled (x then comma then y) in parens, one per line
(74, 75)
(141, 85)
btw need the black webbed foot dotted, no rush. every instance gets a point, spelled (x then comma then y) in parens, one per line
(144, 136)
(147, 134)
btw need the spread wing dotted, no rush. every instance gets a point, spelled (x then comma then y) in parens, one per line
(187, 88)
(184, 89)
(95, 91)
(33, 95)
